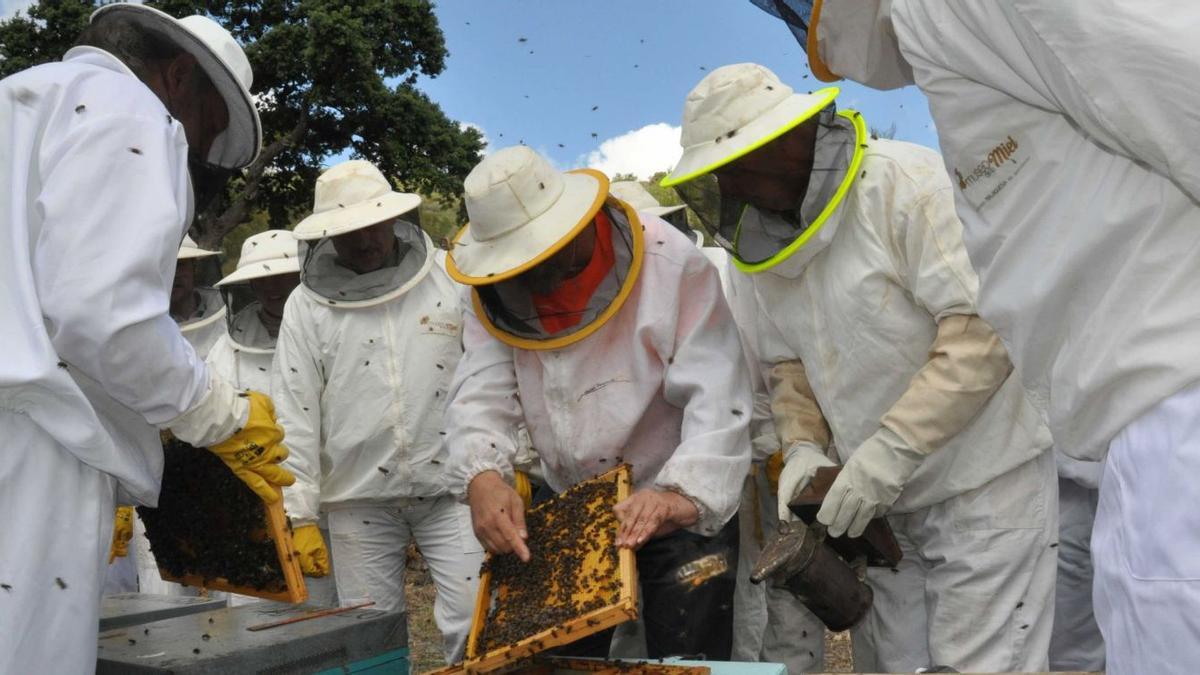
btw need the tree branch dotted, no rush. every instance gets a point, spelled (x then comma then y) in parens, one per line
(220, 225)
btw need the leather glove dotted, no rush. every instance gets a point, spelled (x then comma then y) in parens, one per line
(870, 482)
(254, 452)
(801, 462)
(310, 547)
(523, 487)
(122, 533)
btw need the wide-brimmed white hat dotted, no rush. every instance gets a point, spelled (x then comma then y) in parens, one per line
(266, 254)
(351, 196)
(735, 110)
(189, 249)
(226, 65)
(522, 211)
(635, 194)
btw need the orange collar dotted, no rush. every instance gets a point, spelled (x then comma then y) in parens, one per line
(564, 307)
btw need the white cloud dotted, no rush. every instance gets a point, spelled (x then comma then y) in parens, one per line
(642, 152)
(487, 142)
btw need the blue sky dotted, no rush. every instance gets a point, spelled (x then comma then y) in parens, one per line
(10, 7)
(584, 54)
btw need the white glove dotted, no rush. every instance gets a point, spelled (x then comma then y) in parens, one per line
(801, 462)
(870, 482)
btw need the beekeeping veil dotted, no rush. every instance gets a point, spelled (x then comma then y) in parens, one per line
(352, 196)
(550, 256)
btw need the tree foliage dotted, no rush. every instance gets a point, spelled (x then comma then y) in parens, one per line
(332, 78)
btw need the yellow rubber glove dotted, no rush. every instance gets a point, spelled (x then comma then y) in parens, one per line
(255, 451)
(523, 487)
(122, 533)
(310, 548)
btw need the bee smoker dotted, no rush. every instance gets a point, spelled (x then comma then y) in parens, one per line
(827, 574)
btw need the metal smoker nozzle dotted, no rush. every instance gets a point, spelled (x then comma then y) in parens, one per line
(786, 554)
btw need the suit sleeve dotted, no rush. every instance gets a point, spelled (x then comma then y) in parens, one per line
(484, 419)
(967, 363)
(707, 378)
(113, 205)
(297, 384)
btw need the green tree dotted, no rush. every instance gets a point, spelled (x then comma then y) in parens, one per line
(332, 78)
(623, 177)
(665, 196)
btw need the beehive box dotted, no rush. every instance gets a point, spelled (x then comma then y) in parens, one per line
(577, 582)
(566, 666)
(231, 641)
(211, 530)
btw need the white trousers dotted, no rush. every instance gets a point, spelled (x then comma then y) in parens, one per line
(370, 546)
(1076, 644)
(975, 590)
(1146, 542)
(322, 591)
(58, 515)
(769, 624)
(121, 575)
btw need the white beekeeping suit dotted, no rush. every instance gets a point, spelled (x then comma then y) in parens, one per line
(865, 294)
(95, 177)
(1063, 125)
(362, 371)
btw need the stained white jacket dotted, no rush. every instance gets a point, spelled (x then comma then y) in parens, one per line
(361, 394)
(1069, 127)
(96, 200)
(662, 386)
(864, 312)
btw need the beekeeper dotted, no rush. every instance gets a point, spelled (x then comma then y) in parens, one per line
(864, 298)
(254, 294)
(613, 344)
(97, 199)
(196, 304)
(363, 364)
(1059, 122)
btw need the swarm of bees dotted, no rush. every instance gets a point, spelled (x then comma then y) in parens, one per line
(209, 524)
(572, 570)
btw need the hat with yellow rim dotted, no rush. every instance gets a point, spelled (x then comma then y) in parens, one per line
(736, 110)
(522, 211)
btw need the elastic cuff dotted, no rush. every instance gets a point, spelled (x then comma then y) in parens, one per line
(480, 466)
(706, 525)
(220, 414)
